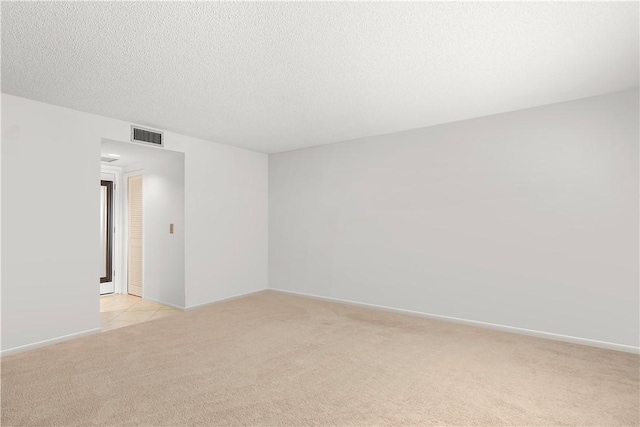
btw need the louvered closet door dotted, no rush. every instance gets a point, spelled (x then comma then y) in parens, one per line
(134, 257)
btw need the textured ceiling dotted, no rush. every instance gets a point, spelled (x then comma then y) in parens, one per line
(273, 77)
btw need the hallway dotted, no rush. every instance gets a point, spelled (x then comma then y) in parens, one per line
(117, 311)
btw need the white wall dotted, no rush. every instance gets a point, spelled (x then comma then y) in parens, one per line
(527, 219)
(163, 204)
(51, 256)
(50, 219)
(226, 221)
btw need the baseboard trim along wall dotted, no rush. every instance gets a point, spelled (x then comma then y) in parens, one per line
(177, 307)
(498, 327)
(43, 343)
(69, 337)
(204, 304)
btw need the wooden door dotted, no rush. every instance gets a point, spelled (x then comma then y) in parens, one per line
(134, 257)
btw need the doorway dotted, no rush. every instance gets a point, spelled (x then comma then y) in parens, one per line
(107, 232)
(149, 221)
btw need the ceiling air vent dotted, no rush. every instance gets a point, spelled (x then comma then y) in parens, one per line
(147, 136)
(107, 159)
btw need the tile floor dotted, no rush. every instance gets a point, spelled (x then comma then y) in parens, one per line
(117, 311)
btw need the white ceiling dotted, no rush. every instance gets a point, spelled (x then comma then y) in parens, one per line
(273, 77)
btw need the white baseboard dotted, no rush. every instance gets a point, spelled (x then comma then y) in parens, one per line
(495, 326)
(38, 344)
(191, 307)
(63, 338)
(168, 304)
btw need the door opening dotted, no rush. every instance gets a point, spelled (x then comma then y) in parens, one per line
(148, 216)
(106, 235)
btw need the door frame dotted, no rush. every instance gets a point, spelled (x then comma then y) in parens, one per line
(110, 226)
(117, 224)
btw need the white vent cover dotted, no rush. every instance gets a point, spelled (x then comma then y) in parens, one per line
(107, 159)
(147, 136)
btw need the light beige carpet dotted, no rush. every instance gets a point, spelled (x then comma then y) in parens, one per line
(275, 359)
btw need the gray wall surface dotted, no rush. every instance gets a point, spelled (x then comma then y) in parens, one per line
(527, 219)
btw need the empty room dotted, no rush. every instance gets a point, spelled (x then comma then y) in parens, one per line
(320, 213)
